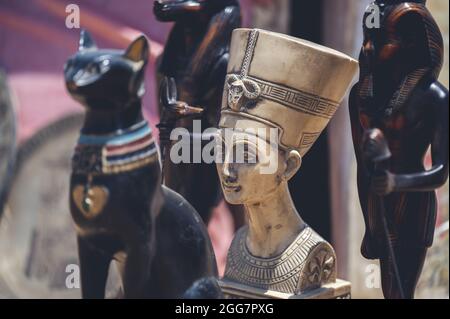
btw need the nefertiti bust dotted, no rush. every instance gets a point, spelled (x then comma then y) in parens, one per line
(279, 95)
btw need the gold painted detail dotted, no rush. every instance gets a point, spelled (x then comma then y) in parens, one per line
(90, 200)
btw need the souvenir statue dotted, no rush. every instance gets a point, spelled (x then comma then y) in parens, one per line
(195, 56)
(280, 93)
(119, 207)
(398, 111)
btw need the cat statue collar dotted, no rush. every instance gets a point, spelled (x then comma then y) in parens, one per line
(122, 151)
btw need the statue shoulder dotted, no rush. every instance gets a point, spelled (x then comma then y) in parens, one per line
(439, 93)
(432, 96)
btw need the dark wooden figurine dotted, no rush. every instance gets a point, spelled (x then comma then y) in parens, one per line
(398, 111)
(196, 57)
(119, 207)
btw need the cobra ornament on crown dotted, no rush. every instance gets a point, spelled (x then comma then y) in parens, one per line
(242, 91)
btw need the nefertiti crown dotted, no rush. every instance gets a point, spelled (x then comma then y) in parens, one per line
(278, 81)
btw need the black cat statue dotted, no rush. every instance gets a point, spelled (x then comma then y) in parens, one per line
(120, 209)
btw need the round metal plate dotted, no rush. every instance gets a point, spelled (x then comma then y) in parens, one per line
(37, 236)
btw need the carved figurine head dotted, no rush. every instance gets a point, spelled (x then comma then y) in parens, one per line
(107, 79)
(276, 103)
(407, 38)
(187, 10)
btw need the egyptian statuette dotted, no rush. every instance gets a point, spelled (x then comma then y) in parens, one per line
(280, 93)
(195, 60)
(119, 207)
(398, 112)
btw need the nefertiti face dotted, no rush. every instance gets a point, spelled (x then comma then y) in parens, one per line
(243, 167)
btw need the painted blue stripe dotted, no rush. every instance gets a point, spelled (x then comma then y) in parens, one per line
(120, 138)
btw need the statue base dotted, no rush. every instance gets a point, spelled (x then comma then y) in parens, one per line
(339, 290)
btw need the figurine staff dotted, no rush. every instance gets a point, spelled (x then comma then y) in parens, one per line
(377, 152)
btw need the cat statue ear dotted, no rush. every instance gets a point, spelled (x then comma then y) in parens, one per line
(86, 41)
(138, 50)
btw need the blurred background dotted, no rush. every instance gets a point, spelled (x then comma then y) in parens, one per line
(39, 126)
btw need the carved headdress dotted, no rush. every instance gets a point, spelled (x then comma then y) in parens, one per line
(410, 24)
(278, 81)
(401, 19)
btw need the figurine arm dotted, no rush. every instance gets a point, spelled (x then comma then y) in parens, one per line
(438, 174)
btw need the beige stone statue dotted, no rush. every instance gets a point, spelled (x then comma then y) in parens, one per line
(279, 95)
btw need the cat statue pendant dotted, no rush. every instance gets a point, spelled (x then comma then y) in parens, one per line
(90, 200)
